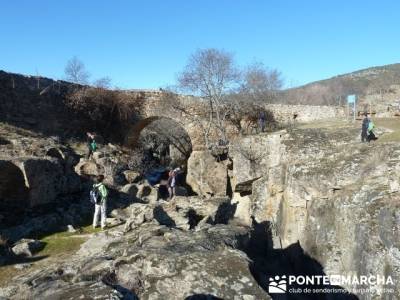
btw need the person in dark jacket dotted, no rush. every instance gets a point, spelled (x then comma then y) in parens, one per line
(364, 128)
(262, 120)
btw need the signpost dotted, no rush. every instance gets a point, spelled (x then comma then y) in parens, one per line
(351, 100)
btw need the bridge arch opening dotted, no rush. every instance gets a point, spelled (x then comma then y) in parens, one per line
(164, 137)
(165, 145)
(13, 193)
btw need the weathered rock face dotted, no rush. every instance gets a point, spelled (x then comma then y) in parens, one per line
(243, 209)
(159, 263)
(205, 175)
(47, 180)
(252, 156)
(257, 175)
(356, 221)
(34, 170)
(181, 212)
(336, 197)
(35, 181)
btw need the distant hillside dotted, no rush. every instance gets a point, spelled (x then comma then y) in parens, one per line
(333, 91)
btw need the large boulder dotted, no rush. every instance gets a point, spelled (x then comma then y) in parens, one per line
(129, 191)
(27, 247)
(140, 213)
(44, 178)
(88, 168)
(252, 156)
(206, 176)
(131, 176)
(147, 193)
(243, 209)
(35, 181)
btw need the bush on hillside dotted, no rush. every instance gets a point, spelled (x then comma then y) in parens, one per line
(106, 111)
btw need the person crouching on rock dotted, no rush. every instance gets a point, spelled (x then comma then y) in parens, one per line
(100, 206)
(91, 144)
(371, 134)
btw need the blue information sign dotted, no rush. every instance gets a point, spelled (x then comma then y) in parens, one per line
(351, 98)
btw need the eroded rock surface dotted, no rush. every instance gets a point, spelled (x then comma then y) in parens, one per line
(151, 261)
(206, 176)
(337, 197)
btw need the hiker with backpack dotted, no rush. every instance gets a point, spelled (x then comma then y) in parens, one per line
(91, 144)
(98, 196)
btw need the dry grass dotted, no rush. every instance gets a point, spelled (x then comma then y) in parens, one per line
(7, 130)
(392, 124)
(329, 124)
(7, 273)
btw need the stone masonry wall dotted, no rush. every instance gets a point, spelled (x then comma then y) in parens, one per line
(305, 113)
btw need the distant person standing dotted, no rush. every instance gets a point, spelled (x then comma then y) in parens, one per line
(100, 202)
(171, 183)
(261, 120)
(91, 144)
(364, 128)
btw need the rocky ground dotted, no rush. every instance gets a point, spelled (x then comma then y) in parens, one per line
(319, 187)
(306, 200)
(145, 258)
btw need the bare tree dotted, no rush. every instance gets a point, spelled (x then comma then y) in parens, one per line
(260, 83)
(212, 75)
(75, 71)
(103, 82)
(245, 115)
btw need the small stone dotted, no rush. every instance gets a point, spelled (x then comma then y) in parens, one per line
(22, 266)
(71, 229)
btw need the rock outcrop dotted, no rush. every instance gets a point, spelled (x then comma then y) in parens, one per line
(35, 181)
(152, 259)
(206, 176)
(324, 189)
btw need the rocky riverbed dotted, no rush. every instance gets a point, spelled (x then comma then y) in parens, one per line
(311, 200)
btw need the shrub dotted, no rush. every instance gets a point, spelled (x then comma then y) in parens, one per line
(104, 110)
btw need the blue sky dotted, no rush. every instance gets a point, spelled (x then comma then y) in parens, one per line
(144, 44)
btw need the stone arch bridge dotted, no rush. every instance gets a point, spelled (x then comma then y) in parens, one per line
(156, 106)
